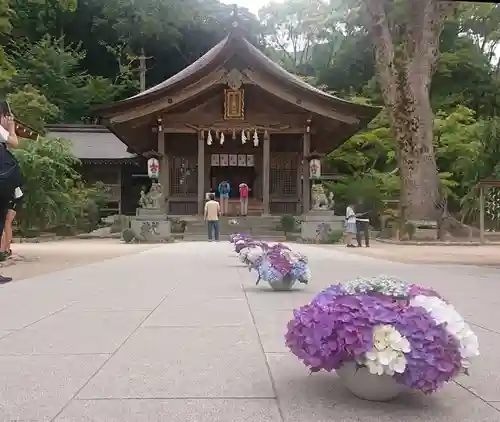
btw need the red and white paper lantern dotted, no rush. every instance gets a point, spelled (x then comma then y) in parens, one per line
(153, 168)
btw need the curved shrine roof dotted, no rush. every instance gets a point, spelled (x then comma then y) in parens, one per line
(215, 58)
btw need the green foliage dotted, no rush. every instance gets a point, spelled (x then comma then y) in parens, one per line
(288, 223)
(7, 70)
(32, 107)
(53, 194)
(49, 79)
(410, 229)
(335, 236)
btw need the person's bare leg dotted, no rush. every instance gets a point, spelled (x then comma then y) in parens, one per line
(3, 243)
(348, 238)
(9, 221)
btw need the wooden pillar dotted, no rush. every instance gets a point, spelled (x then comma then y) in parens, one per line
(201, 172)
(481, 213)
(120, 181)
(266, 164)
(306, 183)
(298, 210)
(164, 170)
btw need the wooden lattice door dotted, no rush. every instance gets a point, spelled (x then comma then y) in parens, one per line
(183, 176)
(283, 175)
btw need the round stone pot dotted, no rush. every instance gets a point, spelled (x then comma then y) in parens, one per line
(286, 283)
(360, 382)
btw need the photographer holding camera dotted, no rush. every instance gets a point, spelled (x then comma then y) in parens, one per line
(10, 172)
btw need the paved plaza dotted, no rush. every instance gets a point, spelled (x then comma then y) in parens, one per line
(181, 333)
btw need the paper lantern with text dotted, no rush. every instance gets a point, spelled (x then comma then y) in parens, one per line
(315, 169)
(153, 168)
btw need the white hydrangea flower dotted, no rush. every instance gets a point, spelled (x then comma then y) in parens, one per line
(389, 286)
(254, 254)
(243, 254)
(388, 353)
(443, 312)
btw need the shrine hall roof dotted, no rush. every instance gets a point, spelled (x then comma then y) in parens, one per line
(216, 57)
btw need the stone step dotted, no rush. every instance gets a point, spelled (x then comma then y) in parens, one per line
(257, 233)
(223, 237)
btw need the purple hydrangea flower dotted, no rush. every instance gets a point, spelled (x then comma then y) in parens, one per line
(276, 265)
(337, 327)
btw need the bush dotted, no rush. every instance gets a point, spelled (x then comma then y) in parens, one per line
(128, 236)
(87, 205)
(410, 230)
(335, 236)
(178, 225)
(53, 193)
(288, 223)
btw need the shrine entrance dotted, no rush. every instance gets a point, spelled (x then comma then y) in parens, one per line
(235, 176)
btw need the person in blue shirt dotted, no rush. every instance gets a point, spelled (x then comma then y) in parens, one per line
(224, 190)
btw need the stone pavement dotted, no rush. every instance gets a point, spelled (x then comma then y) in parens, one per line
(181, 333)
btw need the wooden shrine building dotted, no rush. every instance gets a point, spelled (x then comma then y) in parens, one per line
(235, 115)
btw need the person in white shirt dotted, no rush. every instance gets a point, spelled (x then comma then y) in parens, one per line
(350, 226)
(212, 212)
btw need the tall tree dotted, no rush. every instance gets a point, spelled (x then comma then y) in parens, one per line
(406, 35)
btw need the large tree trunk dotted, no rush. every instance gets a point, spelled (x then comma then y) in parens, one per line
(404, 71)
(412, 122)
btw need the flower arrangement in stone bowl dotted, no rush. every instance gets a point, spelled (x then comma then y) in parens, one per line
(233, 238)
(240, 241)
(383, 336)
(282, 268)
(252, 253)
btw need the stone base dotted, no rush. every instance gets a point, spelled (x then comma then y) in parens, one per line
(151, 225)
(318, 222)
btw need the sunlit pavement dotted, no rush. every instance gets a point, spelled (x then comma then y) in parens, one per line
(181, 333)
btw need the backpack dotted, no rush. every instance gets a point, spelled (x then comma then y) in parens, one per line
(10, 172)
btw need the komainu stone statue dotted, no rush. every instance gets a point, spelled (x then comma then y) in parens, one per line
(320, 201)
(153, 199)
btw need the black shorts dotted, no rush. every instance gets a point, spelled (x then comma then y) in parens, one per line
(14, 204)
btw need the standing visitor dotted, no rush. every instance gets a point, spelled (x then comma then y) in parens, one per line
(244, 189)
(224, 190)
(212, 211)
(11, 214)
(350, 226)
(10, 172)
(362, 224)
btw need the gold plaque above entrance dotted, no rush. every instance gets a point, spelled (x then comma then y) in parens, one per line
(234, 104)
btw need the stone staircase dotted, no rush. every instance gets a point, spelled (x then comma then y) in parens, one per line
(259, 227)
